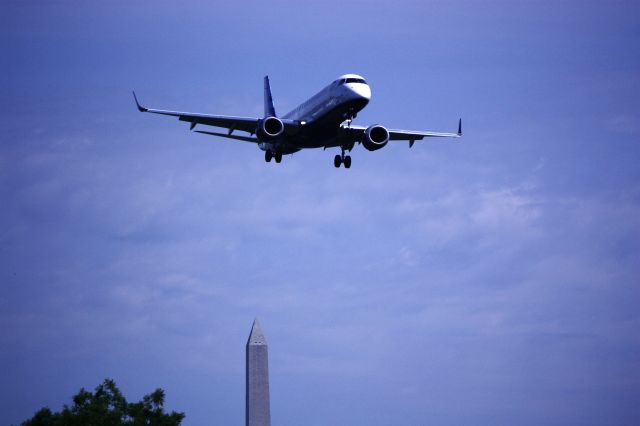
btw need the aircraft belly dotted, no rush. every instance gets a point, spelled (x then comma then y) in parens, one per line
(322, 115)
(322, 130)
(283, 147)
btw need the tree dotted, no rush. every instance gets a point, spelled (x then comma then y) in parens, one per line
(107, 407)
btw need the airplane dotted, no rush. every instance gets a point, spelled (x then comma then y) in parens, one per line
(323, 121)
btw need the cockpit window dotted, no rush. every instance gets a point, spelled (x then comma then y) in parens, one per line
(351, 80)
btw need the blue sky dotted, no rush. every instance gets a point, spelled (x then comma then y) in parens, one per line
(490, 280)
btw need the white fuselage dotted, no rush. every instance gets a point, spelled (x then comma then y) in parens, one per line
(333, 96)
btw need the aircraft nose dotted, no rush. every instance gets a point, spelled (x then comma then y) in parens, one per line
(361, 90)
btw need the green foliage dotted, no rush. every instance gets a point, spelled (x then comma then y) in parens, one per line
(107, 407)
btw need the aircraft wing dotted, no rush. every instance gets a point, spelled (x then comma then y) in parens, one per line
(412, 136)
(408, 135)
(226, 135)
(245, 124)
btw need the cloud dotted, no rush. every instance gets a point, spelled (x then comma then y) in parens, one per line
(488, 215)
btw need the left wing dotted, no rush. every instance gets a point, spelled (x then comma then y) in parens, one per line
(245, 124)
(230, 136)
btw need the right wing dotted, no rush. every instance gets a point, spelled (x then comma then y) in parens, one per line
(412, 136)
(405, 135)
(245, 124)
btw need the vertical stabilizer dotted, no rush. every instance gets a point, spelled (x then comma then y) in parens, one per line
(269, 111)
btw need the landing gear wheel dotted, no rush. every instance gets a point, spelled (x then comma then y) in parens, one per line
(347, 162)
(278, 157)
(267, 156)
(337, 160)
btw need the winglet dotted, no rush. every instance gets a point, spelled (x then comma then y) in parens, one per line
(460, 127)
(140, 107)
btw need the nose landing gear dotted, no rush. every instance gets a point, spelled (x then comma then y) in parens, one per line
(349, 117)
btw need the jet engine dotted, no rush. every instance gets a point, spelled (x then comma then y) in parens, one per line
(270, 128)
(375, 137)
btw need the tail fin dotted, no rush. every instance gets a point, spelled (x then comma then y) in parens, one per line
(269, 111)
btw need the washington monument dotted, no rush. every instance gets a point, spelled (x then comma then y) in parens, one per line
(257, 391)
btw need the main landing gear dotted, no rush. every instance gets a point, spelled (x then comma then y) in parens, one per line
(268, 155)
(342, 159)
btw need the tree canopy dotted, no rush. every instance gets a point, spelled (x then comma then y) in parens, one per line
(108, 407)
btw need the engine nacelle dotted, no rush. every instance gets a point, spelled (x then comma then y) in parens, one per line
(270, 128)
(375, 137)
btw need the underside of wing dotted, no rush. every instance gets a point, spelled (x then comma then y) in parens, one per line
(229, 136)
(410, 135)
(364, 135)
(244, 124)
